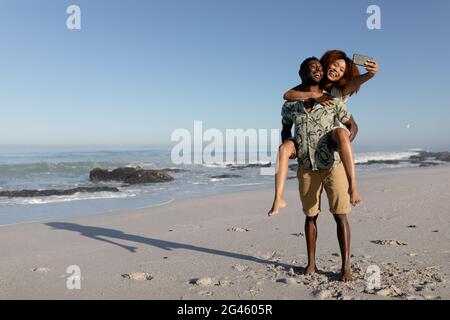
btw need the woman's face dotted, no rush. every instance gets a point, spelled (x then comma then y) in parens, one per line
(336, 70)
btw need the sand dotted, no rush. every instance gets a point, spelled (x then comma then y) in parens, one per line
(225, 247)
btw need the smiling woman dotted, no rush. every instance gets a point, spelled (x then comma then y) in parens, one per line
(339, 71)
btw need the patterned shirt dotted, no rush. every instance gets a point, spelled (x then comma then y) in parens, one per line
(313, 131)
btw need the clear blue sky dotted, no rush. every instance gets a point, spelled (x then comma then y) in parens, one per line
(137, 70)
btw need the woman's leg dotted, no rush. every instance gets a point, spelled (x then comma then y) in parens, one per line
(340, 136)
(287, 150)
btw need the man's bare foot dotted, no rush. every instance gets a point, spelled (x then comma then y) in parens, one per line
(277, 205)
(310, 269)
(355, 198)
(346, 274)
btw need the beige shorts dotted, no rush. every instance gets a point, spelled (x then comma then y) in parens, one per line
(312, 183)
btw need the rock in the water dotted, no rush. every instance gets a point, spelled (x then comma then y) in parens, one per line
(54, 192)
(225, 176)
(130, 175)
(176, 170)
(423, 156)
(250, 165)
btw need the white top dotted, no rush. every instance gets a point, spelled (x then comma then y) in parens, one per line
(335, 92)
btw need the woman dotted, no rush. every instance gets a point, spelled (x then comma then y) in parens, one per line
(342, 79)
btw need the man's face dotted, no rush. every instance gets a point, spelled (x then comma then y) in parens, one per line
(315, 71)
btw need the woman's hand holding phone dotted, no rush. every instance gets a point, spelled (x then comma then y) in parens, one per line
(371, 67)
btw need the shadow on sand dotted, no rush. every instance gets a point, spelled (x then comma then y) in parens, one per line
(101, 234)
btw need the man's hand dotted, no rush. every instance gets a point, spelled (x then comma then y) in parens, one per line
(324, 99)
(352, 127)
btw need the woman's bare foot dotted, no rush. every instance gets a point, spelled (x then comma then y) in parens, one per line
(310, 269)
(346, 274)
(355, 198)
(277, 205)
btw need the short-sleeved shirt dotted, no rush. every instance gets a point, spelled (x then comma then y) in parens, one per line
(312, 131)
(335, 92)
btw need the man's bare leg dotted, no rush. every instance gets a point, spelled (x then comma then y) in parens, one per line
(311, 238)
(343, 233)
(287, 150)
(340, 136)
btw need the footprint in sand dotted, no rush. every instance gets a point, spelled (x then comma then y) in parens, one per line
(288, 281)
(414, 297)
(392, 291)
(323, 294)
(204, 282)
(390, 242)
(238, 229)
(300, 234)
(138, 276)
(41, 270)
(253, 292)
(241, 268)
(268, 255)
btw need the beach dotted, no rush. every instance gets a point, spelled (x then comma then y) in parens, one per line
(225, 247)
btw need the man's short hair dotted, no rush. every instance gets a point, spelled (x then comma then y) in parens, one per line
(304, 67)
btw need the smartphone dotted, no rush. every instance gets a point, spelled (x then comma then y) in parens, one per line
(360, 60)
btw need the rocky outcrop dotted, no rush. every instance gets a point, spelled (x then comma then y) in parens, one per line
(424, 159)
(250, 165)
(225, 176)
(54, 192)
(441, 156)
(130, 175)
(176, 170)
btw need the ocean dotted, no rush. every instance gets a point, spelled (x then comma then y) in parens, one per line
(58, 168)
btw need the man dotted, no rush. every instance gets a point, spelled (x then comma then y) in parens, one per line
(320, 167)
(311, 74)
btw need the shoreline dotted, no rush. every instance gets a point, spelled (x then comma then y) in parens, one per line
(253, 187)
(225, 247)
